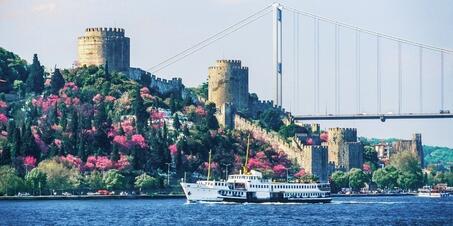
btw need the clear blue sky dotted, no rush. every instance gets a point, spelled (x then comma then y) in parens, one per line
(159, 29)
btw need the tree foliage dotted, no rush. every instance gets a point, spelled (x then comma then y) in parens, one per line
(113, 180)
(57, 82)
(339, 180)
(271, 119)
(357, 179)
(10, 182)
(12, 68)
(386, 178)
(36, 180)
(59, 177)
(144, 182)
(35, 79)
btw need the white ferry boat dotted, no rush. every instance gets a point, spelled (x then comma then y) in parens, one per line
(252, 188)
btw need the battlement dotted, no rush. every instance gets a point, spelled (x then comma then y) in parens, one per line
(222, 67)
(228, 62)
(104, 32)
(343, 130)
(338, 135)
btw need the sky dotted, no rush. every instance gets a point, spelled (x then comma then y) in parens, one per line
(160, 29)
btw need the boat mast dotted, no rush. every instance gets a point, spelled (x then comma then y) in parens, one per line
(245, 170)
(209, 165)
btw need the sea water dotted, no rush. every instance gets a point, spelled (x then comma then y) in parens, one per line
(408, 210)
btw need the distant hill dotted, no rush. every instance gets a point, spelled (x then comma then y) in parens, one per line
(438, 155)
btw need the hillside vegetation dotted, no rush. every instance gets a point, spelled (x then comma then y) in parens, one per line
(100, 129)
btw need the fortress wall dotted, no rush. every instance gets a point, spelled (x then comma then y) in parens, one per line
(162, 86)
(312, 158)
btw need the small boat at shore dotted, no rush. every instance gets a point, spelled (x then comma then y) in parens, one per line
(428, 191)
(251, 187)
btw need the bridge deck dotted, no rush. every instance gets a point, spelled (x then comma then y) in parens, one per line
(381, 117)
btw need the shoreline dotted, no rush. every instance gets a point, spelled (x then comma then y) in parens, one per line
(156, 196)
(90, 197)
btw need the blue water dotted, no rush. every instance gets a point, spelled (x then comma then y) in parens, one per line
(342, 211)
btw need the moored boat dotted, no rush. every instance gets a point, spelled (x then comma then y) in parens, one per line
(428, 191)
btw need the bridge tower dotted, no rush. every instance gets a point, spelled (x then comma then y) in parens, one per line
(277, 51)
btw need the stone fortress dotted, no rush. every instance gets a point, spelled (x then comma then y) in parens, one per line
(345, 152)
(228, 82)
(100, 45)
(228, 89)
(386, 150)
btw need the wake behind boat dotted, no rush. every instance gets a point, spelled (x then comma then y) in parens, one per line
(249, 186)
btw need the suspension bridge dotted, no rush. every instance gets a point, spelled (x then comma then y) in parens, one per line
(363, 42)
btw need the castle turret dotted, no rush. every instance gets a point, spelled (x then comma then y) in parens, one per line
(344, 150)
(228, 83)
(100, 45)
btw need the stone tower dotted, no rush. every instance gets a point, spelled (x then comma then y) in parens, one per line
(228, 82)
(414, 146)
(344, 150)
(101, 45)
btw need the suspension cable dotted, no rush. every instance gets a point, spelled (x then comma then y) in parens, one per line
(370, 32)
(211, 39)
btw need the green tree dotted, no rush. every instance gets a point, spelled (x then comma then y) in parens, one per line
(211, 120)
(410, 172)
(35, 80)
(95, 181)
(144, 182)
(370, 155)
(74, 130)
(12, 68)
(19, 87)
(288, 130)
(357, 179)
(271, 119)
(339, 180)
(140, 112)
(113, 180)
(36, 180)
(386, 178)
(59, 177)
(57, 82)
(176, 122)
(114, 156)
(10, 182)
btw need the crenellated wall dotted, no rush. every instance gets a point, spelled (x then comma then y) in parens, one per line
(101, 45)
(162, 86)
(313, 158)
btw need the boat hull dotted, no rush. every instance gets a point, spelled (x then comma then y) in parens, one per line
(282, 200)
(202, 193)
(199, 192)
(433, 195)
